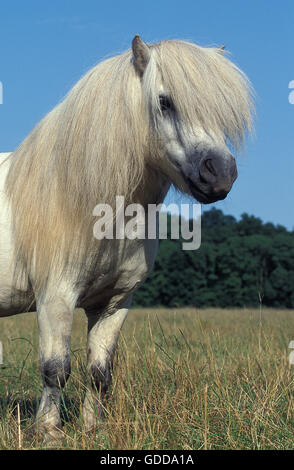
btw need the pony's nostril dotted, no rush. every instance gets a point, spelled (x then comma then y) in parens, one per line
(208, 171)
(210, 167)
(216, 168)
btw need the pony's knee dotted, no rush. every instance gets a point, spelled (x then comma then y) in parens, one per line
(100, 376)
(56, 371)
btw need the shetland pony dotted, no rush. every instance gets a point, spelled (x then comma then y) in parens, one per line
(156, 115)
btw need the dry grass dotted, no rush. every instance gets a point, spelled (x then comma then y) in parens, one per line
(183, 379)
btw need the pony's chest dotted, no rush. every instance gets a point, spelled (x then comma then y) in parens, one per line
(119, 274)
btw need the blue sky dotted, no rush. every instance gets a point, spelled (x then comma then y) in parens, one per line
(46, 46)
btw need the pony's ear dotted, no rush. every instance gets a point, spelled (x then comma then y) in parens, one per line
(141, 54)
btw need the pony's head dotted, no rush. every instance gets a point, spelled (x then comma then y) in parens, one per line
(199, 105)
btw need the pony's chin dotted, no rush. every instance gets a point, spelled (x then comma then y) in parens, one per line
(203, 197)
(201, 194)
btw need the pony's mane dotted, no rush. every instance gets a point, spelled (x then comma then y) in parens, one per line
(95, 145)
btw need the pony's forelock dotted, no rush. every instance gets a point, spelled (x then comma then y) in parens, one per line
(206, 88)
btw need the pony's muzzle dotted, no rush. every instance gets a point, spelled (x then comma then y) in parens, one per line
(217, 174)
(213, 178)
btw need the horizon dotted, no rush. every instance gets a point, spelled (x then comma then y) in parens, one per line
(237, 219)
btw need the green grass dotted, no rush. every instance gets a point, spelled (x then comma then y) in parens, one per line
(183, 379)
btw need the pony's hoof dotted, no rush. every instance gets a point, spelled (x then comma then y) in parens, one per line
(93, 419)
(92, 426)
(53, 439)
(50, 438)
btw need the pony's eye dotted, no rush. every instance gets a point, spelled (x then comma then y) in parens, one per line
(165, 103)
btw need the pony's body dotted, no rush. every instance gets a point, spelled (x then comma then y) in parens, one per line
(136, 123)
(111, 277)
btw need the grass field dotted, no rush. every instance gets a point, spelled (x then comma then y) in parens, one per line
(183, 379)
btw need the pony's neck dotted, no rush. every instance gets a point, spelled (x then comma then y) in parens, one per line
(152, 189)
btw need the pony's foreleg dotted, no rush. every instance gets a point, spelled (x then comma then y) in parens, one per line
(103, 334)
(55, 324)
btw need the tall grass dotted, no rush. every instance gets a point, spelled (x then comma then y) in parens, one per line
(183, 379)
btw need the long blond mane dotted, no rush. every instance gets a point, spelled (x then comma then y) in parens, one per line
(96, 144)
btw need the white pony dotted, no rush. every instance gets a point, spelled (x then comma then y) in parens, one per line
(154, 116)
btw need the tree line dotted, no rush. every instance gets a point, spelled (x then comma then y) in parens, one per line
(239, 264)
